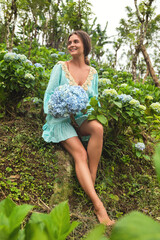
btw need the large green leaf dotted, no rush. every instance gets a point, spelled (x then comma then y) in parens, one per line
(18, 214)
(136, 226)
(6, 206)
(102, 119)
(61, 220)
(97, 233)
(156, 158)
(56, 225)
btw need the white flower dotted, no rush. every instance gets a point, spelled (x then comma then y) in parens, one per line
(21, 57)
(134, 102)
(142, 107)
(29, 76)
(155, 106)
(140, 146)
(110, 92)
(124, 85)
(104, 81)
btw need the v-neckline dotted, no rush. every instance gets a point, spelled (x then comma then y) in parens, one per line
(72, 81)
(74, 78)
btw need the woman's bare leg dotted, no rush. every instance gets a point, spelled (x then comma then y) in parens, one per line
(95, 144)
(75, 148)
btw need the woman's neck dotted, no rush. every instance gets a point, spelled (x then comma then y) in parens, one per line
(78, 61)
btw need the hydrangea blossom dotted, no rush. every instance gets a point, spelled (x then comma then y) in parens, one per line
(124, 85)
(10, 57)
(67, 100)
(61, 53)
(29, 62)
(54, 55)
(38, 65)
(29, 76)
(104, 81)
(115, 76)
(110, 92)
(105, 73)
(142, 107)
(21, 57)
(140, 146)
(149, 97)
(135, 102)
(155, 106)
(124, 98)
(136, 90)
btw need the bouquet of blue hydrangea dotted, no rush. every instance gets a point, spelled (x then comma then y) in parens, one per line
(67, 100)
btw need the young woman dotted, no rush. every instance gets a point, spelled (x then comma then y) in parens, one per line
(78, 72)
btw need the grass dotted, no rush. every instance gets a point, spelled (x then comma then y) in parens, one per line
(28, 169)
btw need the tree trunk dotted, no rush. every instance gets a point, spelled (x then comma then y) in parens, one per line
(149, 66)
(14, 24)
(146, 75)
(134, 63)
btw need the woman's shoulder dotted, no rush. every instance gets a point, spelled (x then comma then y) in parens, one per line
(93, 70)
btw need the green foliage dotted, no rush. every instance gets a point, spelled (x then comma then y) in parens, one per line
(11, 218)
(136, 226)
(53, 226)
(18, 79)
(156, 158)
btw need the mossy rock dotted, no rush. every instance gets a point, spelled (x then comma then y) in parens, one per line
(63, 187)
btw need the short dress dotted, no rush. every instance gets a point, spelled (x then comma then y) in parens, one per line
(59, 129)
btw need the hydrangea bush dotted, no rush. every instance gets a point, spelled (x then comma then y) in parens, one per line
(67, 100)
(19, 78)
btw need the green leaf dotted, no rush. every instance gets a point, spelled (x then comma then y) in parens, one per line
(138, 154)
(91, 117)
(6, 206)
(97, 233)
(94, 102)
(61, 220)
(18, 214)
(118, 104)
(136, 226)
(156, 158)
(102, 119)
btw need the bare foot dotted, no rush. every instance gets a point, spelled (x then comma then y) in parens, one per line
(103, 216)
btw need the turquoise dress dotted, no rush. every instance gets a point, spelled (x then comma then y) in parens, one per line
(59, 129)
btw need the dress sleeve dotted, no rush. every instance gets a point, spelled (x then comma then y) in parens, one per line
(54, 82)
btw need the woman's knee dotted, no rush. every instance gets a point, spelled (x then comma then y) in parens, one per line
(96, 127)
(80, 155)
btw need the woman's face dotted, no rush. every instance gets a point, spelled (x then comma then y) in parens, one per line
(75, 45)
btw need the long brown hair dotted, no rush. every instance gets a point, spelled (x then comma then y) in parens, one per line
(86, 43)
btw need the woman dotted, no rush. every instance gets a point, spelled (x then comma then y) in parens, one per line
(78, 72)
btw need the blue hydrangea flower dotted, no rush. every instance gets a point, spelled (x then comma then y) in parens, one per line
(140, 146)
(61, 53)
(54, 55)
(104, 81)
(29, 62)
(10, 56)
(124, 98)
(38, 65)
(66, 100)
